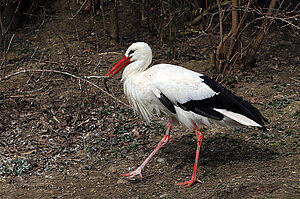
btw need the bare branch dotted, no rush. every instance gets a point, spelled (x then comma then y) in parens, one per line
(78, 11)
(68, 74)
(64, 43)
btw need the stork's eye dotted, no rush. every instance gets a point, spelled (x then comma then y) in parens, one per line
(130, 52)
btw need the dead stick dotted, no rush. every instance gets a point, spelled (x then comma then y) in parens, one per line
(64, 73)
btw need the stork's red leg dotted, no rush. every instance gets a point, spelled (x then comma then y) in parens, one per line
(161, 143)
(194, 179)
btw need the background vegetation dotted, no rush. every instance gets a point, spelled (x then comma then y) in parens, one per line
(62, 135)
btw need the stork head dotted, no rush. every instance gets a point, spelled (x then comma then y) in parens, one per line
(138, 57)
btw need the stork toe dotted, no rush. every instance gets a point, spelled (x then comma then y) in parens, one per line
(132, 174)
(189, 182)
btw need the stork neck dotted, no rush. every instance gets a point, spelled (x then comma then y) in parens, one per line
(135, 68)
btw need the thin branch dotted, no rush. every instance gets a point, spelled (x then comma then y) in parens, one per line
(27, 82)
(241, 24)
(16, 10)
(6, 51)
(64, 43)
(75, 26)
(260, 35)
(289, 23)
(68, 74)
(220, 47)
(99, 58)
(78, 11)
(220, 20)
(209, 9)
(10, 41)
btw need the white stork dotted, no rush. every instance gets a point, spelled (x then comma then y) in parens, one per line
(185, 96)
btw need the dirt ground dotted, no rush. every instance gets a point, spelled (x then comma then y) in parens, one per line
(61, 137)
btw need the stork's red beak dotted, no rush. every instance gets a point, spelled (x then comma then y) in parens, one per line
(121, 64)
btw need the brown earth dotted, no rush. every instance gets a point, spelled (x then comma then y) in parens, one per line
(63, 138)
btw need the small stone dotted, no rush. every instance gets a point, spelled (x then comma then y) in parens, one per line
(158, 182)
(122, 181)
(161, 160)
(163, 195)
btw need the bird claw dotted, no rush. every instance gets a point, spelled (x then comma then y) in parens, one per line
(190, 182)
(133, 174)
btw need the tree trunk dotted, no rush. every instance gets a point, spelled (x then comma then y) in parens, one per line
(249, 58)
(135, 21)
(234, 30)
(227, 60)
(103, 18)
(143, 10)
(114, 26)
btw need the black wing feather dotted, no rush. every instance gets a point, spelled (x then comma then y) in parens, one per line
(202, 107)
(167, 103)
(223, 99)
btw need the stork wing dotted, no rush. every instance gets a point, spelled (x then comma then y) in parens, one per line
(198, 93)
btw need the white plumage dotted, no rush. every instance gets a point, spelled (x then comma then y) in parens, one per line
(185, 96)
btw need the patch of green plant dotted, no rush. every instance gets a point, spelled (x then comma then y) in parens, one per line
(219, 190)
(121, 110)
(117, 153)
(85, 104)
(277, 88)
(92, 127)
(285, 146)
(91, 149)
(61, 168)
(222, 135)
(263, 175)
(275, 145)
(251, 79)
(280, 102)
(105, 112)
(158, 127)
(47, 168)
(260, 135)
(236, 132)
(145, 139)
(126, 138)
(279, 126)
(98, 160)
(290, 133)
(297, 114)
(121, 128)
(261, 71)
(132, 147)
(15, 167)
(88, 167)
(24, 48)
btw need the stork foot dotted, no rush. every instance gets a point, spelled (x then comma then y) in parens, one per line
(190, 182)
(137, 172)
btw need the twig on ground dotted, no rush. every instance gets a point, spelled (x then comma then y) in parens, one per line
(68, 74)
(97, 77)
(108, 53)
